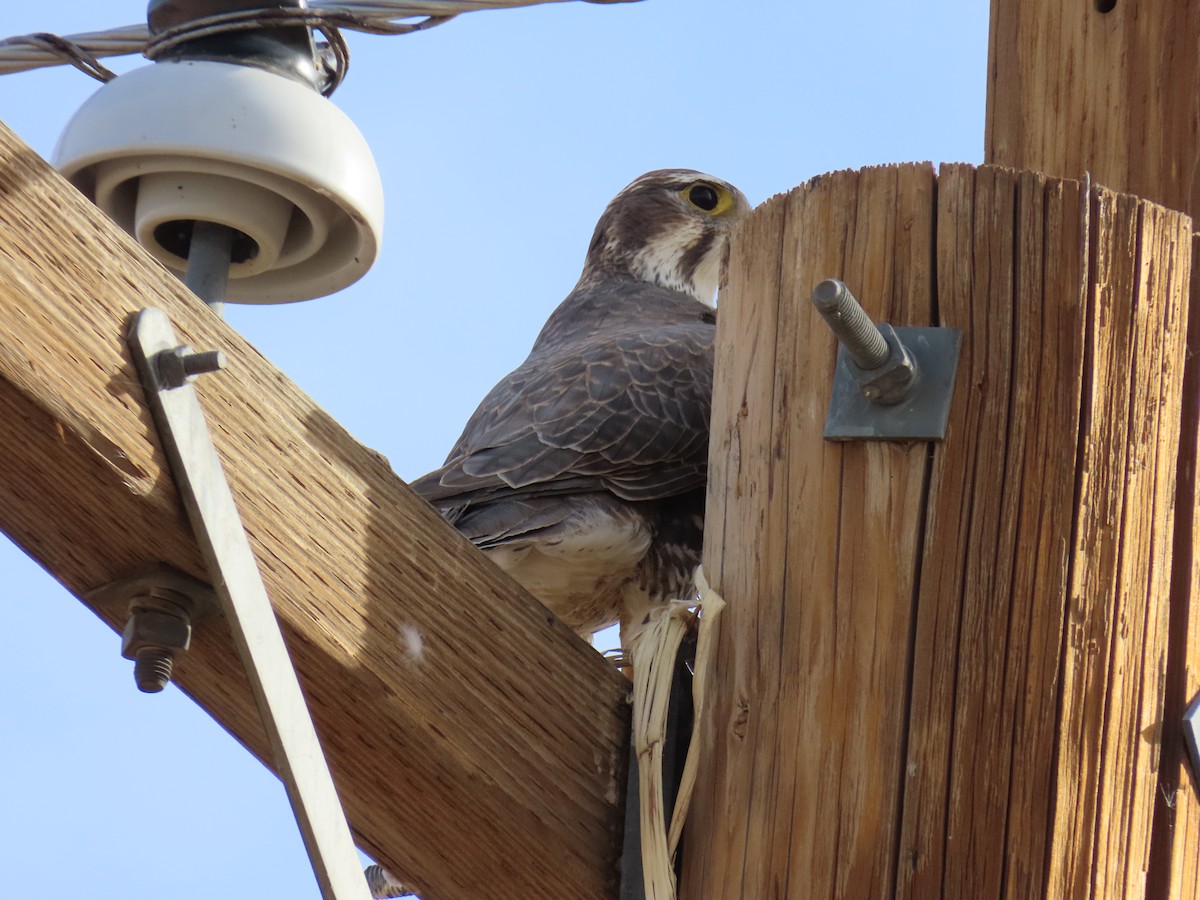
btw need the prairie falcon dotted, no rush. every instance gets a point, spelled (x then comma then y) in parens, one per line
(582, 473)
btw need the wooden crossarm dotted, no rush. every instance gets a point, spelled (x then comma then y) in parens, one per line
(477, 743)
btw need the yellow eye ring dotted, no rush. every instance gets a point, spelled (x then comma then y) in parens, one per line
(707, 197)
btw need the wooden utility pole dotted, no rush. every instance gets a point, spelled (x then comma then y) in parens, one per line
(1073, 89)
(1113, 88)
(957, 670)
(940, 668)
(458, 767)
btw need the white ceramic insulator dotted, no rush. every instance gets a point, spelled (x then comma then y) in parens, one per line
(241, 146)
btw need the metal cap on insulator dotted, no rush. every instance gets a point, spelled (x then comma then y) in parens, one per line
(287, 49)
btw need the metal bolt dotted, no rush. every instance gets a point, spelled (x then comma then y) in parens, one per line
(158, 630)
(850, 323)
(178, 366)
(152, 669)
(203, 363)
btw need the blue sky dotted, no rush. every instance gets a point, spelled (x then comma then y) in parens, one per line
(500, 137)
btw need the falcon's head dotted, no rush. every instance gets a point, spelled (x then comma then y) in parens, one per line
(670, 228)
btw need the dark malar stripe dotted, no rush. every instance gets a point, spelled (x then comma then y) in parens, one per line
(690, 261)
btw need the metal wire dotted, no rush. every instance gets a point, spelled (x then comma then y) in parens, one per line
(18, 54)
(66, 51)
(33, 51)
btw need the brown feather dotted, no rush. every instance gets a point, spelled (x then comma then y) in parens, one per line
(582, 472)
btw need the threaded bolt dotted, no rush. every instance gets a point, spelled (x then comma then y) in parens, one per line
(152, 669)
(156, 632)
(851, 324)
(202, 363)
(176, 366)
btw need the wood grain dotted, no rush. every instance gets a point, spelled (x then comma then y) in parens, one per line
(1116, 643)
(1117, 94)
(458, 768)
(805, 539)
(941, 669)
(1174, 862)
(988, 632)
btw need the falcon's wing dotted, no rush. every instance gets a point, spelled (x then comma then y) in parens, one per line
(626, 412)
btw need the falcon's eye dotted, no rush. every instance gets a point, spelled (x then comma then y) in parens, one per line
(709, 198)
(704, 196)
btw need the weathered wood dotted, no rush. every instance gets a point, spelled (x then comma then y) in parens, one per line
(1117, 94)
(940, 667)
(988, 634)
(1174, 860)
(804, 538)
(1110, 717)
(477, 743)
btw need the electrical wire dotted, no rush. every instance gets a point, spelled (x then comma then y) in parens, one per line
(84, 51)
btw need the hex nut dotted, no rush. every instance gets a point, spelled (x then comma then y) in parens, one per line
(156, 630)
(894, 379)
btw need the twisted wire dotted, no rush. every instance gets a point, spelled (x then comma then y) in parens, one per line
(84, 51)
(64, 50)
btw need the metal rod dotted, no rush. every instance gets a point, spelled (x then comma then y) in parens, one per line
(850, 323)
(239, 586)
(209, 255)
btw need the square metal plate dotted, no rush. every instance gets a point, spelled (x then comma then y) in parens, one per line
(922, 416)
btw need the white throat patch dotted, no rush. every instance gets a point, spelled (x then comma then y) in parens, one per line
(659, 262)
